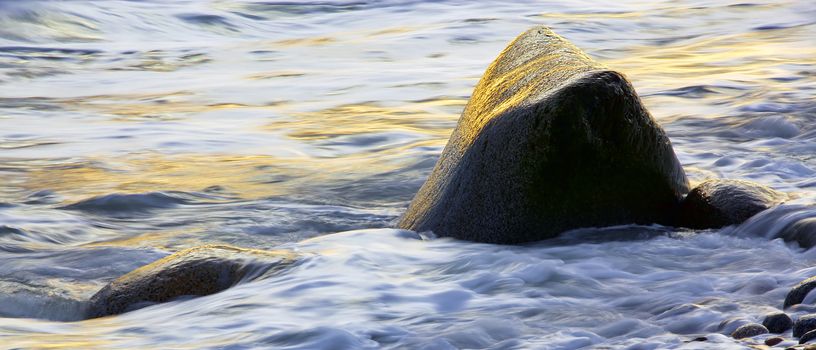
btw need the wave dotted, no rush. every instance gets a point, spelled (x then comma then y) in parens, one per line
(119, 203)
(695, 91)
(38, 52)
(792, 223)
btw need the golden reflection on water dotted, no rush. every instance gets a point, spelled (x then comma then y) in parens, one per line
(245, 176)
(62, 341)
(156, 172)
(756, 53)
(167, 240)
(309, 41)
(431, 117)
(136, 107)
(242, 176)
(275, 74)
(99, 333)
(101, 340)
(340, 37)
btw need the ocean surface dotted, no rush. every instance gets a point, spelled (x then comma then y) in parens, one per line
(133, 129)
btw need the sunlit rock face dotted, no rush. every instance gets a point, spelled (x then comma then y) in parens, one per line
(193, 272)
(549, 141)
(716, 203)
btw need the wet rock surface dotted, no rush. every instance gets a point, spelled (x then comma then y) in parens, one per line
(807, 337)
(773, 341)
(804, 324)
(549, 141)
(719, 202)
(192, 272)
(749, 330)
(798, 293)
(777, 322)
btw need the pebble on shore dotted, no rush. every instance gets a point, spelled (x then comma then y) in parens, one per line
(777, 322)
(798, 293)
(749, 330)
(807, 337)
(773, 341)
(804, 324)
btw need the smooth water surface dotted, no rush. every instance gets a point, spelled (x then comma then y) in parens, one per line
(132, 129)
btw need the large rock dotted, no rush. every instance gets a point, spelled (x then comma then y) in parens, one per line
(196, 271)
(550, 141)
(719, 202)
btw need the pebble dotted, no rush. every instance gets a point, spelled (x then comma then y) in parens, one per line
(798, 293)
(804, 324)
(777, 322)
(773, 341)
(807, 337)
(749, 330)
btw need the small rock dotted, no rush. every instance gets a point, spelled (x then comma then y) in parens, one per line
(800, 231)
(730, 325)
(749, 330)
(804, 324)
(777, 322)
(773, 341)
(719, 202)
(798, 293)
(196, 271)
(807, 337)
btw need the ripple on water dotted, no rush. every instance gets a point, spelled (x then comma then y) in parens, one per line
(129, 203)
(389, 289)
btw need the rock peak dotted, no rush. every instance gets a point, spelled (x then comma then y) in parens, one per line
(550, 141)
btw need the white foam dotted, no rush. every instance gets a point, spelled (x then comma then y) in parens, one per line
(381, 286)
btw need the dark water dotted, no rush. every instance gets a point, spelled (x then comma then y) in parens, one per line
(132, 129)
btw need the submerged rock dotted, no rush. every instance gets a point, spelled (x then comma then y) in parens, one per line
(196, 271)
(804, 324)
(549, 141)
(749, 330)
(773, 341)
(719, 202)
(792, 223)
(798, 293)
(802, 231)
(777, 322)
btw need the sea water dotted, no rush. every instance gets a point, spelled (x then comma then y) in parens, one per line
(133, 129)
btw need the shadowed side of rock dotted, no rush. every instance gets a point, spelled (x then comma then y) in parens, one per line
(193, 272)
(550, 141)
